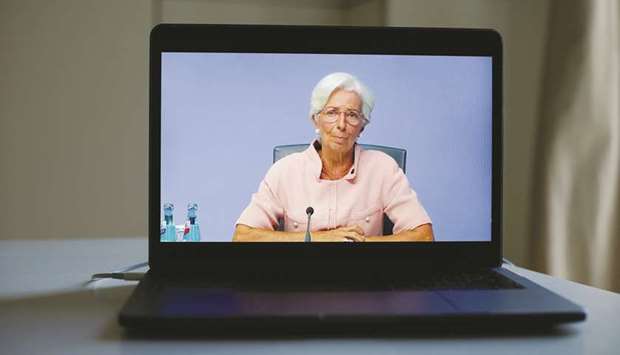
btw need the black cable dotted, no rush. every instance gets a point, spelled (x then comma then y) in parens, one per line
(122, 274)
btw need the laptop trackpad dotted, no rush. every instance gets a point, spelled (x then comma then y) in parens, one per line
(224, 303)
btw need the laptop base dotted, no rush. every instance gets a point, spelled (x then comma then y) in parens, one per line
(158, 303)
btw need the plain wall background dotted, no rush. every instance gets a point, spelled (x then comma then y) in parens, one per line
(222, 114)
(73, 100)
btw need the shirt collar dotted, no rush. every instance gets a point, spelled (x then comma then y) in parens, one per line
(316, 165)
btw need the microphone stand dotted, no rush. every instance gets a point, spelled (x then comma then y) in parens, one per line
(309, 212)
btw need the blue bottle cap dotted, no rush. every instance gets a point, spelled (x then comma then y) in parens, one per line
(168, 208)
(191, 210)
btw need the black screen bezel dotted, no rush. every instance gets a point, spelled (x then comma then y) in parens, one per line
(228, 257)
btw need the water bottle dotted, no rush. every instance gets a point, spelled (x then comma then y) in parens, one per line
(169, 231)
(193, 233)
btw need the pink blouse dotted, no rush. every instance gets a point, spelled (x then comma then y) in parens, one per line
(374, 186)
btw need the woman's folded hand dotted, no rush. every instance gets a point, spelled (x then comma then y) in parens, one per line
(341, 234)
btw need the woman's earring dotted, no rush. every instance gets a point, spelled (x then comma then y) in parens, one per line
(359, 135)
(317, 131)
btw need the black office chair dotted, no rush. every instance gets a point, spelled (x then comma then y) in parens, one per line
(398, 154)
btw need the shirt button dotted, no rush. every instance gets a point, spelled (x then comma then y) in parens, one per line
(367, 219)
(295, 225)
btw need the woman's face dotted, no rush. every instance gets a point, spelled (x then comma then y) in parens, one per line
(339, 135)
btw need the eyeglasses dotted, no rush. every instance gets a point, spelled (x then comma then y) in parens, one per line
(353, 117)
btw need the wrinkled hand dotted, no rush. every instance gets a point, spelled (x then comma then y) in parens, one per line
(342, 234)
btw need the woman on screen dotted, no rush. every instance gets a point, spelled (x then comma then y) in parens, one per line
(348, 188)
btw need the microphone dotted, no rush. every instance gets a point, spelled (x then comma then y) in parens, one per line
(309, 212)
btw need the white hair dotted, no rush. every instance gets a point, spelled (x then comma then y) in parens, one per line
(340, 81)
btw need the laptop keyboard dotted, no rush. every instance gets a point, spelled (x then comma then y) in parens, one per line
(468, 280)
(479, 280)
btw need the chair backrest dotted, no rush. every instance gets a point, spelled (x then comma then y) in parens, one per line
(398, 154)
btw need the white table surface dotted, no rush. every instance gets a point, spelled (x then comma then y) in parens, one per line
(47, 308)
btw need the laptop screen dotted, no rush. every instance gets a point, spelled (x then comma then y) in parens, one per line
(325, 147)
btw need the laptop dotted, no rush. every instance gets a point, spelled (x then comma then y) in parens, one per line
(250, 229)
